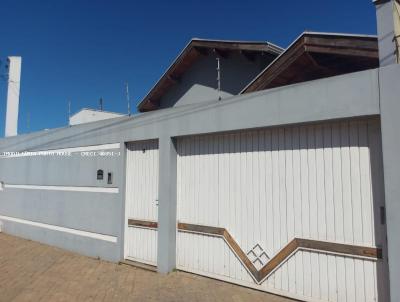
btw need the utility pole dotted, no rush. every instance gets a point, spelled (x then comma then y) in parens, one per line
(219, 78)
(101, 104)
(128, 98)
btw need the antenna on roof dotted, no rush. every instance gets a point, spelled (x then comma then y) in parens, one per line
(128, 99)
(219, 78)
(101, 104)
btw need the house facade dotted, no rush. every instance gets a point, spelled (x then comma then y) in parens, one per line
(281, 175)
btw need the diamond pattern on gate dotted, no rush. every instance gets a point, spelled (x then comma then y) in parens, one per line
(258, 256)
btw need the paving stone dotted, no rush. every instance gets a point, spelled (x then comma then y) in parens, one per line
(31, 271)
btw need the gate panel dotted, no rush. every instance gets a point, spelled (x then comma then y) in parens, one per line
(288, 210)
(141, 201)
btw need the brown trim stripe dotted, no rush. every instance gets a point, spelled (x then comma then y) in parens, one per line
(241, 254)
(281, 256)
(143, 223)
(320, 246)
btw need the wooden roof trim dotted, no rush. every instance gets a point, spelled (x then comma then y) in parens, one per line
(238, 45)
(341, 41)
(339, 44)
(379, 2)
(293, 53)
(343, 51)
(192, 51)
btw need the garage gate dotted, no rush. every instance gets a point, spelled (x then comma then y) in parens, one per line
(296, 211)
(141, 202)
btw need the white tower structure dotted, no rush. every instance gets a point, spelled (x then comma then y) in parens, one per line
(14, 78)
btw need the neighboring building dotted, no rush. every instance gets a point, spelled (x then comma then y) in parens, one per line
(253, 66)
(86, 115)
(192, 77)
(315, 56)
(288, 184)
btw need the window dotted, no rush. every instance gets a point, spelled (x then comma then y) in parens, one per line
(100, 174)
(109, 178)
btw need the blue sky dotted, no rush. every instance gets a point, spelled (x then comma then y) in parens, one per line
(83, 50)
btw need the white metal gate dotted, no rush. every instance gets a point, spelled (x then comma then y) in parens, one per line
(291, 210)
(141, 201)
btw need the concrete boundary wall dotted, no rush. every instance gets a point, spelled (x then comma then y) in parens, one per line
(343, 97)
(355, 94)
(390, 123)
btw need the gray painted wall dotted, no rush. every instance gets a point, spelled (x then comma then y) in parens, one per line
(387, 46)
(390, 124)
(166, 256)
(56, 170)
(199, 83)
(355, 94)
(86, 211)
(85, 246)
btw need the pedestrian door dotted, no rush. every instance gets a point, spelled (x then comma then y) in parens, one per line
(141, 201)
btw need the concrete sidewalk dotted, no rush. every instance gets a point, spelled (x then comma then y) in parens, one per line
(30, 271)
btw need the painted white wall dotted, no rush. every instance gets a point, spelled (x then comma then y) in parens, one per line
(141, 200)
(269, 186)
(91, 115)
(14, 78)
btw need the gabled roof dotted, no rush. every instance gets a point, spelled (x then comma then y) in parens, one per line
(192, 52)
(318, 55)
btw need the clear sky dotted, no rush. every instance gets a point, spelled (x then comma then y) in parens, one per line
(87, 49)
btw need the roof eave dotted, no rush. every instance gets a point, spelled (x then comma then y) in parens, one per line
(268, 47)
(301, 36)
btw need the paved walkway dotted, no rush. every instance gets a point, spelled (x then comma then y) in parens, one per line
(30, 271)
